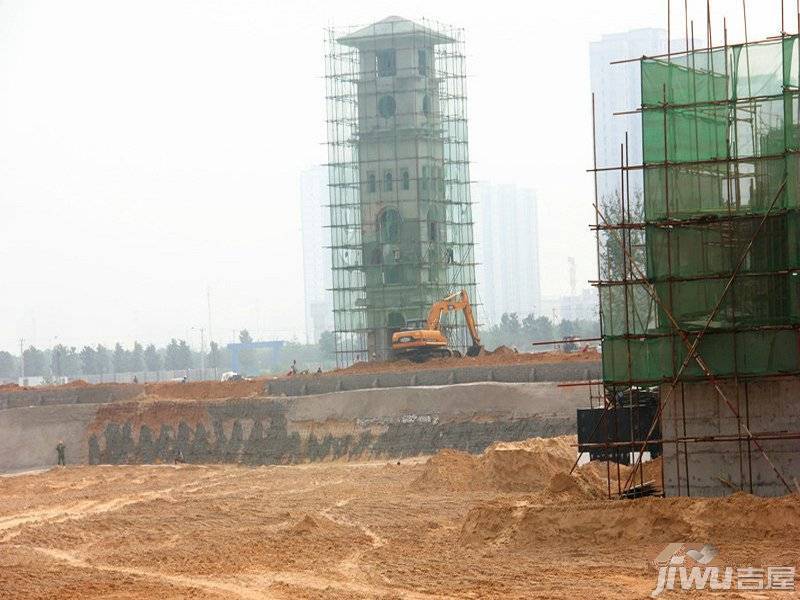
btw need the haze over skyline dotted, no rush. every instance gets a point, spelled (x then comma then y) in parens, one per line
(151, 151)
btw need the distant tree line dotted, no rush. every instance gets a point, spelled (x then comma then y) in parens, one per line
(520, 333)
(67, 361)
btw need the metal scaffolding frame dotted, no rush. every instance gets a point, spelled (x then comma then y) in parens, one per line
(399, 182)
(697, 278)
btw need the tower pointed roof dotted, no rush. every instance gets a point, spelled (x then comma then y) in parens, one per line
(393, 26)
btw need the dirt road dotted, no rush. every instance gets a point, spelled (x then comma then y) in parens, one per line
(362, 530)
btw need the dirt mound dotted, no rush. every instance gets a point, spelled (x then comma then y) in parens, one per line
(499, 356)
(529, 465)
(526, 466)
(564, 487)
(599, 470)
(450, 470)
(735, 518)
(310, 525)
(501, 351)
(205, 390)
(75, 383)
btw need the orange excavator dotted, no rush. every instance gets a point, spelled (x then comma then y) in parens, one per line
(421, 340)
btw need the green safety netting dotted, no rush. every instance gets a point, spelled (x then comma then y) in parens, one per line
(720, 135)
(752, 186)
(715, 248)
(653, 359)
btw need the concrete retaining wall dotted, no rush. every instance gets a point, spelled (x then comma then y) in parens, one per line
(372, 423)
(28, 436)
(519, 373)
(50, 396)
(699, 468)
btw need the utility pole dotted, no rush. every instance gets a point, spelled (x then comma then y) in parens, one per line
(202, 351)
(210, 335)
(21, 361)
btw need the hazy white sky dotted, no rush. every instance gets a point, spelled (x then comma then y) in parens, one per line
(151, 149)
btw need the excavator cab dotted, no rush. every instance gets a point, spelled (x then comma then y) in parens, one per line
(422, 339)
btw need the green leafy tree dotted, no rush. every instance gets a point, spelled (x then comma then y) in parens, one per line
(72, 362)
(137, 358)
(247, 356)
(120, 359)
(537, 329)
(8, 365)
(152, 359)
(58, 357)
(184, 355)
(172, 356)
(218, 357)
(103, 356)
(89, 360)
(35, 362)
(64, 361)
(327, 345)
(617, 264)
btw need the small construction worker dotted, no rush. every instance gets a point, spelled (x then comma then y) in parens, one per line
(61, 450)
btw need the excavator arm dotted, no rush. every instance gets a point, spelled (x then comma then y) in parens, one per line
(457, 301)
(422, 344)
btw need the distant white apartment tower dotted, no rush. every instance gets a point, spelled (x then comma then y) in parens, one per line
(316, 253)
(508, 251)
(617, 88)
(582, 305)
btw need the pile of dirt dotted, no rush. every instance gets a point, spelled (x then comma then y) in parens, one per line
(500, 356)
(450, 470)
(205, 390)
(601, 471)
(501, 351)
(733, 519)
(313, 525)
(75, 383)
(534, 465)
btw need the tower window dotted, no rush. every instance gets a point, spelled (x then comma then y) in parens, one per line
(406, 179)
(422, 62)
(426, 105)
(371, 183)
(387, 181)
(387, 62)
(387, 106)
(425, 175)
(389, 226)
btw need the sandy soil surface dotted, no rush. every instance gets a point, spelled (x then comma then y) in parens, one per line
(500, 356)
(511, 523)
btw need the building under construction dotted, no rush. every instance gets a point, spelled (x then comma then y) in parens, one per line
(699, 276)
(398, 169)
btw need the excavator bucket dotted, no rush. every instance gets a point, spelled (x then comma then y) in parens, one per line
(475, 350)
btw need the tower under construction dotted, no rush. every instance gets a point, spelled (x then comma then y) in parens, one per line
(398, 169)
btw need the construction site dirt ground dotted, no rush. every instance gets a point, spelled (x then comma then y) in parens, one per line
(509, 523)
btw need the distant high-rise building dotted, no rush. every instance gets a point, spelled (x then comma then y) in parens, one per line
(508, 251)
(617, 88)
(316, 253)
(579, 305)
